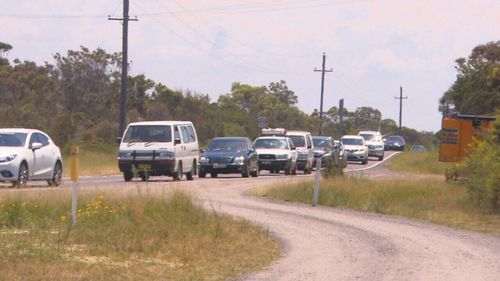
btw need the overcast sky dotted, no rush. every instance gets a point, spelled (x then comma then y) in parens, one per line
(205, 46)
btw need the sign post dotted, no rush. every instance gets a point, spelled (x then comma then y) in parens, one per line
(316, 183)
(74, 185)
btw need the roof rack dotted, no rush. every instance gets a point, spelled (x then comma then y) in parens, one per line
(273, 132)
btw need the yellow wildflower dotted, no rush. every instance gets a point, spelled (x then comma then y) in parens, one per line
(63, 218)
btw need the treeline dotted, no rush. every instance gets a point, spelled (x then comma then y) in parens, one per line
(76, 99)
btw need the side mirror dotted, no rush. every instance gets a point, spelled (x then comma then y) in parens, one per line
(252, 149)
(293, 148)
(118, 140)
(202, 150)
(177, 141)
(36, 145)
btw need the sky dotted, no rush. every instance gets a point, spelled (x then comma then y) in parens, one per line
(373, 47)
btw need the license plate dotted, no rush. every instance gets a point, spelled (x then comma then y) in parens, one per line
(266, 162)
(144, 166)
(219, 165)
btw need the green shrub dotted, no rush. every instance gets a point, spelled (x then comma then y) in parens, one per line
(481, 170)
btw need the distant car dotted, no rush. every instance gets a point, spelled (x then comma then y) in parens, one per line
(394, 143)
(276, 153)
(418, 148)
(305, 149)
(374, 142)
(355, 148)
(323, 148)
(229, 155)
(27, 154)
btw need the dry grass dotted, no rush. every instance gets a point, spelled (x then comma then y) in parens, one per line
(126, 238)
(429, 200)
(93, 161)
(419, 162)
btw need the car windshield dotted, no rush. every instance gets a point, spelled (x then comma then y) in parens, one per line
(270, 144)
(352, 142)
(322, 143)
(395, 139)
(12, 139)
(148, 133)
(227, 145)
(298, 141)
(367, 136)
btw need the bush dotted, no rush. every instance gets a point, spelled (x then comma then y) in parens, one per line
(481, 170)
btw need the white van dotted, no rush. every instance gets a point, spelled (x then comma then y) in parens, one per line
(156, 148)
(305, 149)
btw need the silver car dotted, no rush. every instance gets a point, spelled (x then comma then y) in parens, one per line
(27, 154)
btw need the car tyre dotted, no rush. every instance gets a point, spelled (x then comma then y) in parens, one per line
(23, 176)
(144, 176)
(380, 158)
(202, 173)
(178, 175)
(245, 172)
(365, 161)
(255, 173)
(57, 178)
(288, 169)
(213, 175)
(189, 175)
(128, 176)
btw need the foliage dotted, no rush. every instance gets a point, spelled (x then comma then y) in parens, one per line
(76, 100)
(419, 162)
(481, 170)
(477, 88)
(135, 238)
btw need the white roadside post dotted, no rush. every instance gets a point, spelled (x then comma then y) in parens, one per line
(74, 185)
(316, 183)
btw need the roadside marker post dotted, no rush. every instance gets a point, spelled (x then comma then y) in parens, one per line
(74, 185)
(316, 183)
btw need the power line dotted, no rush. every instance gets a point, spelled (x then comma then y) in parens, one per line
(322, 90)
(401, 98)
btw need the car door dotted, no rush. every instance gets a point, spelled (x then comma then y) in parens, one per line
(179, 147)
(39, 161)
(187, 160)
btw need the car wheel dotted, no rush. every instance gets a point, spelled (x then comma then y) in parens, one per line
(202, 173)
(364, 162)
(23, 176)
(189, 175)
(144, 176)
(289, 168)
(128, 175)
(380, 158)
(178, 176)
(245, 172)
(57, 178)
(255, 173)
(213, 175)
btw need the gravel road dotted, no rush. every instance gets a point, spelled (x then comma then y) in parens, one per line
(333, 244)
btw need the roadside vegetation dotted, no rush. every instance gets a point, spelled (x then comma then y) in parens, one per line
(419, 162)
(127, 238)
(94, 160)
(429, 200)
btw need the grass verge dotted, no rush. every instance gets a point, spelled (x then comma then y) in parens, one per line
(134, 238)
(94, 160)
(419, 162)
(429, 200)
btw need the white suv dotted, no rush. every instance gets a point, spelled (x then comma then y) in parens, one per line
(374, 142)
(276, 153)
(305, 149)
(355, 148)
(27, 154)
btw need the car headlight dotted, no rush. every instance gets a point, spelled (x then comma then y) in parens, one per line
(239, 160)
(166, 155)
(204, 159)
(282, 156)
(122, 154)
(8, 158)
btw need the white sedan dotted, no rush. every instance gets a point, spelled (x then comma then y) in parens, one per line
(27, 154)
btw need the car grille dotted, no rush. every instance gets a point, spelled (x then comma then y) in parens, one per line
(221, 160)
(267, 156)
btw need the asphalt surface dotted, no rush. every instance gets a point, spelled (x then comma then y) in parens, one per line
(322, 243)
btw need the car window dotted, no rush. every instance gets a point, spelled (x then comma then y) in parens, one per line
(192, 134)
(43, 139)
(227, 145)
(185, 134)
(33, 139)
(13, 139)
(368, 136)
(299, 141)
(270, 144)
(177, 134)
(148, 133)
(352, 142)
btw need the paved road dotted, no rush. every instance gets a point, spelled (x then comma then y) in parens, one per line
(333, 244)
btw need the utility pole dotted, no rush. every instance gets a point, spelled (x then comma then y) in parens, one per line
(322, 90)
(341, 116)
(123, 86)
(401, 98)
